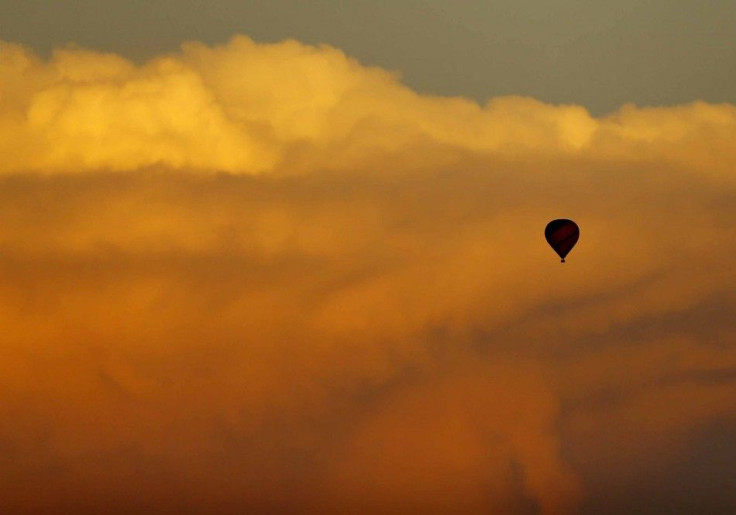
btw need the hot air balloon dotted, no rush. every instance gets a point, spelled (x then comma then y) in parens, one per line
(562, 235)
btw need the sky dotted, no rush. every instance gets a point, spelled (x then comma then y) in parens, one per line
(592, 53)
(289, 258)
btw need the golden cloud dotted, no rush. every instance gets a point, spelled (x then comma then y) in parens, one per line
(250, 108)
(266, 277)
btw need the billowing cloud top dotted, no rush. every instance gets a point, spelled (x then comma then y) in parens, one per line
(265, 277)
(249, 108)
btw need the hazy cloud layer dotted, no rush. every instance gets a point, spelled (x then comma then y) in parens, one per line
(265, 277)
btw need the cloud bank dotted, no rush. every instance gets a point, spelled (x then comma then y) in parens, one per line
(266, 278)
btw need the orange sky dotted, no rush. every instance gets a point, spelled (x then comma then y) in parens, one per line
(265, 277)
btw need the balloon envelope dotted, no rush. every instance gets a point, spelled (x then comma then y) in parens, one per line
(562, 235)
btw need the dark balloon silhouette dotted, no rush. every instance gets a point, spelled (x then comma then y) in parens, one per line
(562, 235)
